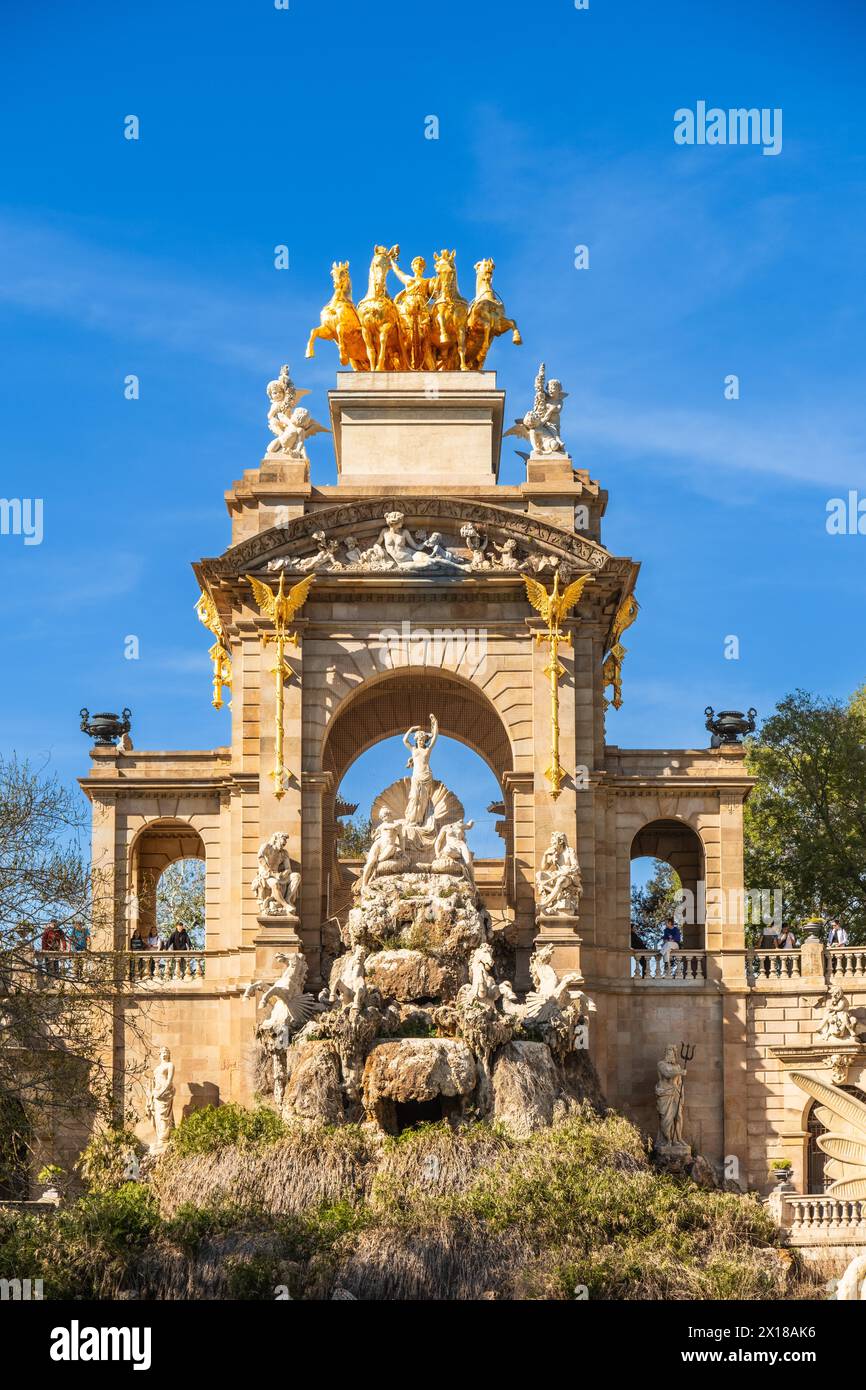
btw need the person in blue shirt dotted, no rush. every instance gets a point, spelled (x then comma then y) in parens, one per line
(672, 940)
(79, 937)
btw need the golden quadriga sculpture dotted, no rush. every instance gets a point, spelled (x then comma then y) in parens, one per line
(427, 326)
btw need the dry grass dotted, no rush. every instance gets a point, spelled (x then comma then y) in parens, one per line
(435, 1214)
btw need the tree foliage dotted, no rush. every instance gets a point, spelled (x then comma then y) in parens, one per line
(180, 899)
(805, 823)
(652, 905)
(356, 838)
(57, 1012)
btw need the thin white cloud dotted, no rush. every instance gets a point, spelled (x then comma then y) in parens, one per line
(46, 270)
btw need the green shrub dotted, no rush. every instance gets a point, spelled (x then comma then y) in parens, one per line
(215, 1127)
(105, 1162)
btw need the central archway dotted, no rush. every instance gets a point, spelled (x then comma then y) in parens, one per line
(387, 705)
(390, 703)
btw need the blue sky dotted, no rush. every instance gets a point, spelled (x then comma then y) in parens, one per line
(306, 127)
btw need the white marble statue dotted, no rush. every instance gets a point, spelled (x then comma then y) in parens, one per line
(838, 1023)
(290, 423)
(349, 985)
(435, 546)
(161, 1102)
(541, 425)
(276, 884)
(290, 1006)
(553, 995)
(400, 546)
(388, 845)
(852, 1285)
(558, 884)
(507, 555)
(670, 1101)
(477, 544)
(421, 790)
(482, 987)
(511, 1006)
(451, 846)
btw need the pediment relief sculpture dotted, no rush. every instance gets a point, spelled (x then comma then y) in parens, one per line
(419, 552)
(362, 522)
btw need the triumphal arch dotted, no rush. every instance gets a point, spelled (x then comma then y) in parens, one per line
(420, 596)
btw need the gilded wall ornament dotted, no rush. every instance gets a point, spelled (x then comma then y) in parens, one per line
(280, 607)
(553, 607)
(612, 669)
(208, 616)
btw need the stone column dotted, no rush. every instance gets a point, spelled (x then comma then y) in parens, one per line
(518, 788)
(283, 813)
(315, 785)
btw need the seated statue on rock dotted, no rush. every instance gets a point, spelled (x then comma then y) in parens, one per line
(276, 884)
(558, 883)
(387, 848)
(451, 849)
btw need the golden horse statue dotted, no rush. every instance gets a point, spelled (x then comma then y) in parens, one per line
(380, 320)
(486, 317)
(339, 322)
(450, 315)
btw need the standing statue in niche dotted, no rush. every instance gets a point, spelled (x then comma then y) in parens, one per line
(161, 1102)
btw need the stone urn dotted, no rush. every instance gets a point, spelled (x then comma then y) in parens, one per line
(729, 726)
(105, 729)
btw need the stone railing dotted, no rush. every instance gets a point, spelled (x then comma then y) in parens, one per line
(847, 963)
(135, 967)
(772, 965)
(162, 966)
(682, 967)
(824, 1220)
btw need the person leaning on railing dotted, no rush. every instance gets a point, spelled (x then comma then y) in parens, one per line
(837, 935)
(179, 939)
(55, 944)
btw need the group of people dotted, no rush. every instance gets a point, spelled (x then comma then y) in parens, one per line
(174, 938)
(59, 940)
(54, 938)
(784, 938)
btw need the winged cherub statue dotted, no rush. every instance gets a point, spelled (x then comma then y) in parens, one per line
(541, 424)
(292, 424)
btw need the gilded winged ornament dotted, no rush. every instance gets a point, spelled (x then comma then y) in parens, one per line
(208, 616)
(281, 607)
(612, 668)
(553, 607)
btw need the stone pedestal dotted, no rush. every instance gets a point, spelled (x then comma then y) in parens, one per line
(559, 930)
(276, 934)
(397, 428)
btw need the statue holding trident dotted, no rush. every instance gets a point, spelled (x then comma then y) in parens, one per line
(421, 786)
